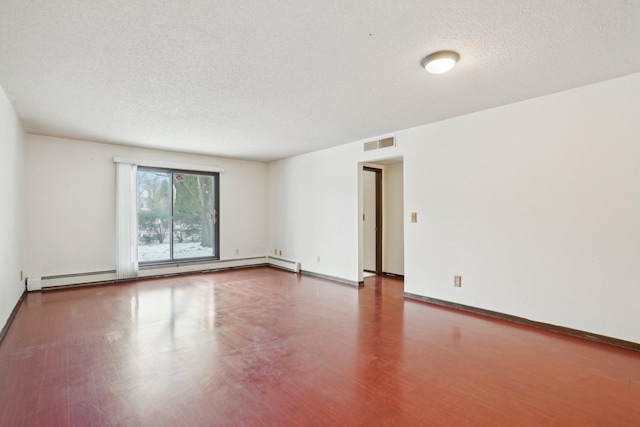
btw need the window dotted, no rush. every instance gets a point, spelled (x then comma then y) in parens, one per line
(177, 213)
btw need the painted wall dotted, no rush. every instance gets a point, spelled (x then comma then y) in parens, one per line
(70, 204)
(534, 204)
(393, 219)
(11, 208)
(313, 211)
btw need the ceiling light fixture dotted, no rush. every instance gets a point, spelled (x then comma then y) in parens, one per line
(440, 62)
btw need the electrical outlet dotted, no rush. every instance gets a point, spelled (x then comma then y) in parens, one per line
(280, 252)
(414, 216)
(457, 281)
(318, 258)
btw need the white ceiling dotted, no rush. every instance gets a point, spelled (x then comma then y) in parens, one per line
(263, 80)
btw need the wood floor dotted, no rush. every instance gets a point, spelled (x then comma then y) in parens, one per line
(263, 347)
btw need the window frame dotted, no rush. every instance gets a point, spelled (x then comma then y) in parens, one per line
(216, 217)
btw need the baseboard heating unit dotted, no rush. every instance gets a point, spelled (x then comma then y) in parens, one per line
(97, 277)
(285, 264)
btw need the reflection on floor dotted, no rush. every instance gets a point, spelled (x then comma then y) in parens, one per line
(265, 347)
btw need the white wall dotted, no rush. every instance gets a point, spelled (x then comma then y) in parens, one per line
(534, 204)
(11, 208)
(393, 219)
(313, 211)
(70, 204)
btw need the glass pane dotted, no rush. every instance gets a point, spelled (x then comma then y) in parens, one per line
(154, 215)
(193, 228)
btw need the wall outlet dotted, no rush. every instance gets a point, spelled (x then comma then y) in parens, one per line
(318, 258)
(280, 252)
(457, 281)
(414, 216)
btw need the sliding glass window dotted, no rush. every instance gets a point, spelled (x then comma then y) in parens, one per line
(177, 215)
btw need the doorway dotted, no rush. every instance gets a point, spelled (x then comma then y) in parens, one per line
(381, 230)
(372, 220)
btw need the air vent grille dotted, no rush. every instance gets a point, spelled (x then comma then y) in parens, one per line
(380, 143)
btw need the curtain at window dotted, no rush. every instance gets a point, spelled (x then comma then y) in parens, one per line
(126, 229)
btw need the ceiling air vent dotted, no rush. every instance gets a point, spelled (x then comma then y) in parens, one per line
(380, 143)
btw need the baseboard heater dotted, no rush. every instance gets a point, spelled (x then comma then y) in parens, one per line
(44, 282)
(97, 277)
(285, 264)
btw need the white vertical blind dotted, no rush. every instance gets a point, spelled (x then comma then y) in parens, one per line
(126, 229)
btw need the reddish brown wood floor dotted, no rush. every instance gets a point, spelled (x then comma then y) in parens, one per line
(262, 347)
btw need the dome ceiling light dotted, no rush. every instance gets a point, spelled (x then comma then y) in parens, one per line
(440, 62)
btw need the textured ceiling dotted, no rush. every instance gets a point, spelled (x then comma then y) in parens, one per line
(263, 80)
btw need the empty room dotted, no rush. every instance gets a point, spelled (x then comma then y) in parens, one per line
(409, 213)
